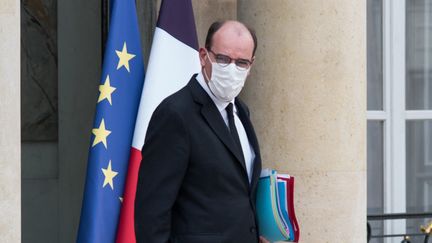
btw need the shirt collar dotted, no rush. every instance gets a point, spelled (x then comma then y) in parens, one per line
(221, 105)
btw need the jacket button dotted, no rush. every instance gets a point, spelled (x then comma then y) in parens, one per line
(253, 230)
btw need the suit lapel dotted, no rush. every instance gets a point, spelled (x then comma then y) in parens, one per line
(213, 117)
(244, 118)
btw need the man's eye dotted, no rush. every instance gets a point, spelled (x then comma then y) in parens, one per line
(242, 63)
(223, 59)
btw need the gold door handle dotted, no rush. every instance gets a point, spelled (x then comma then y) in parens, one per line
(426, 229)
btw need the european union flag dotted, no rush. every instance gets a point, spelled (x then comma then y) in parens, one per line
(116, 111)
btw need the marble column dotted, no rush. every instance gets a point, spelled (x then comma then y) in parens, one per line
(208, 11)
(10, 129)
(307, 94)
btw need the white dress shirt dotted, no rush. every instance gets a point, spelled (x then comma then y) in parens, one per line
(248, 152)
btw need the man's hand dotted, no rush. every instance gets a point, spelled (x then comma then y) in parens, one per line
(263, 240)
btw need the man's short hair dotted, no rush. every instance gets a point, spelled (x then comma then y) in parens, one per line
(218, 24)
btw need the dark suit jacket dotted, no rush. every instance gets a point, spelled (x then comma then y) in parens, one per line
(192, 185)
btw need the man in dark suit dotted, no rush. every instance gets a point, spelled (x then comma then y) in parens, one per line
(201, 161)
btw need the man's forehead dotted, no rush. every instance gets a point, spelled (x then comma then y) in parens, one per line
(233, 28)
(232, 31)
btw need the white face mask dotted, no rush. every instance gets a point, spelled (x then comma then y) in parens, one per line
(226, 82)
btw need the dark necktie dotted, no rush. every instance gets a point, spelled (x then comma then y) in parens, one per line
(232, 127)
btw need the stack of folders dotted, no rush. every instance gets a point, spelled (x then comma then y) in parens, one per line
(275, 207)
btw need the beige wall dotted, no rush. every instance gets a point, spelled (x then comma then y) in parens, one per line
(10, 129)
(307, 93)
(208, 11)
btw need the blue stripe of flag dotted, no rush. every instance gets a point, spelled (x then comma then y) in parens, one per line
(175, 20)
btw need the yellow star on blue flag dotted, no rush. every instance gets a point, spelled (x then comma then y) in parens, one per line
(124, 58)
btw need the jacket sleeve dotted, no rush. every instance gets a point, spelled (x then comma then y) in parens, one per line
(165, 156)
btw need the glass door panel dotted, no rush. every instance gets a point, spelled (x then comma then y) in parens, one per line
(375, 170)
(418, 55)
(374, 55)
(418, 170)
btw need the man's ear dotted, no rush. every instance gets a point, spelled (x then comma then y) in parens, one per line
(252, 60)
(202, 56)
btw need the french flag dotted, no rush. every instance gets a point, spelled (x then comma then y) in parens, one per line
(173, 60)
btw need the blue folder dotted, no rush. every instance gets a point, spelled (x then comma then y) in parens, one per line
(283, 208)
(274, 220)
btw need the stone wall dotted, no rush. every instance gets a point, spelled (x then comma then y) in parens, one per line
(307, 94)
(10, 129)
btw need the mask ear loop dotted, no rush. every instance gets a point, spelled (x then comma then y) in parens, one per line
(207, 77)
(204, 71)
